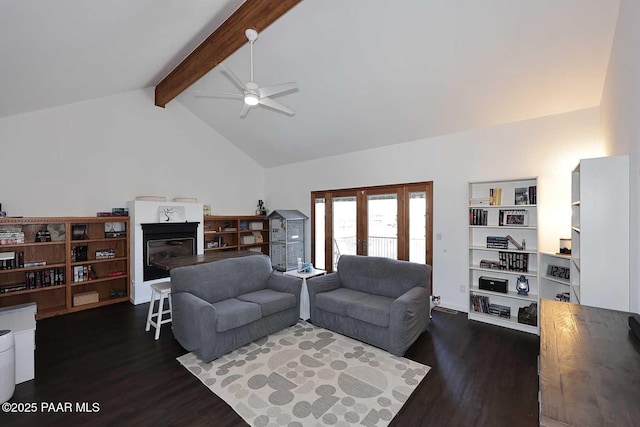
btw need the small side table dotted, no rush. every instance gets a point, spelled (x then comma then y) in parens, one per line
(304, 293)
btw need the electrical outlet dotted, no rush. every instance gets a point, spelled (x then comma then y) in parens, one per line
(463, 289)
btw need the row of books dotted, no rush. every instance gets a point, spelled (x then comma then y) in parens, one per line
(482, 304)
(497, 242)
(478, 216)
(83, 273)
(514, 261)
(10, 263)
(11, 237)
(45, 277)
(115, 212)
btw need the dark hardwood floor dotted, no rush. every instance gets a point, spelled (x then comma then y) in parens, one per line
(481, 375)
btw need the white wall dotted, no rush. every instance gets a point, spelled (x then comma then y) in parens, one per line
(548, 147)
(620, 111)
(86, 157)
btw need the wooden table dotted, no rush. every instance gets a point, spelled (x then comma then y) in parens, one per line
(169, 263)
(589, 367)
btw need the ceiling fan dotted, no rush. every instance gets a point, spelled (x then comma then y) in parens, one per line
(252, 93)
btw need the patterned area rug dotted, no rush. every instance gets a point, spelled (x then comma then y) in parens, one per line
(308, 376)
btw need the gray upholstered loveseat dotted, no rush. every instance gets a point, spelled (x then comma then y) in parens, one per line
(223, 305)
(379, 301)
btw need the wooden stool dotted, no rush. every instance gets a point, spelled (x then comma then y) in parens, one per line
(161, 290)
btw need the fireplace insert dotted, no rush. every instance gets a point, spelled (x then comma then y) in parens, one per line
(166, 240)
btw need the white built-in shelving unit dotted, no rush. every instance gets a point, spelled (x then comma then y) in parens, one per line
(479, 193)
(600, 233)
(554, 275)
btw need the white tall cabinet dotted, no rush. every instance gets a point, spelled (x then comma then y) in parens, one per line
(484, 228)
(600, 233)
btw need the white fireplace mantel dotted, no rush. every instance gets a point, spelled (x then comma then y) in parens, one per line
(146, 212)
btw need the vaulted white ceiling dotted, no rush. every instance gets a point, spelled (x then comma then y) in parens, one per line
(370, 72)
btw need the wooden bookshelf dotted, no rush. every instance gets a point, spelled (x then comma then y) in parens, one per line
(236, 233)
(54, 295)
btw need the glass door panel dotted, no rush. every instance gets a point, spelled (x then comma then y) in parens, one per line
(382, 226)
(320, 247)
(418, 227)
(345, 216)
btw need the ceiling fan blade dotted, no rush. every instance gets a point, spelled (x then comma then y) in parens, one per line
(268, 102)
(214, 94)
(234, 78)
(276, 89)
(244, 110)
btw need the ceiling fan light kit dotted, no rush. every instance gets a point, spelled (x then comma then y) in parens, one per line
(253, 94)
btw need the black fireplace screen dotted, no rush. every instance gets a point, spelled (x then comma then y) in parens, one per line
(166, 240)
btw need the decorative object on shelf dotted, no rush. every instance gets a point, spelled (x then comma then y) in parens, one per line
(79, 232)
(563, 297)
(528, 315)
(57, 232)
(261, 210)
(151, 198)
(559, 272)
(171, 214)
(522, 285)
(565, 246)
(43, 236)
(115, 229)
(206, 210)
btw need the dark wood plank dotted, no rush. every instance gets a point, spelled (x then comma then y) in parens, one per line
(226, 39)
(185, 261)
(482, 375)
(589, 367)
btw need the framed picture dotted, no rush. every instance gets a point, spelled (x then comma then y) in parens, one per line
(522, 196)
(79, 232)
(115, 229)
(514, 218)
(171, 214)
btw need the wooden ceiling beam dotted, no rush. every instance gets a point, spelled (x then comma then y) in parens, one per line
(226, 39)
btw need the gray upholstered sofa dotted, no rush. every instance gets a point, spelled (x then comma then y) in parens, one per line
(379, 301)
(223, 305)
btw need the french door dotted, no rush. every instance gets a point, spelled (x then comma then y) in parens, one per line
(392, 221)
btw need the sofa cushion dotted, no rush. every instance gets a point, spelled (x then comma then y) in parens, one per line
(224, 279)
(371, 309)
(338, 300)
(381, 276)
(232, 313)
(270, 301)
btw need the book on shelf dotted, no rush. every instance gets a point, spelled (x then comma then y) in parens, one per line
(521, 196)
(497, 242)
(11, 260)
(533, 194)
(515, 243)
(495, 196)
(478, 216)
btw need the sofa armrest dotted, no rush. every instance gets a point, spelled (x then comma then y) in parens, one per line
(282, 283)
(192, 316)
(409, 317)
(325, 283)
(318, 285)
